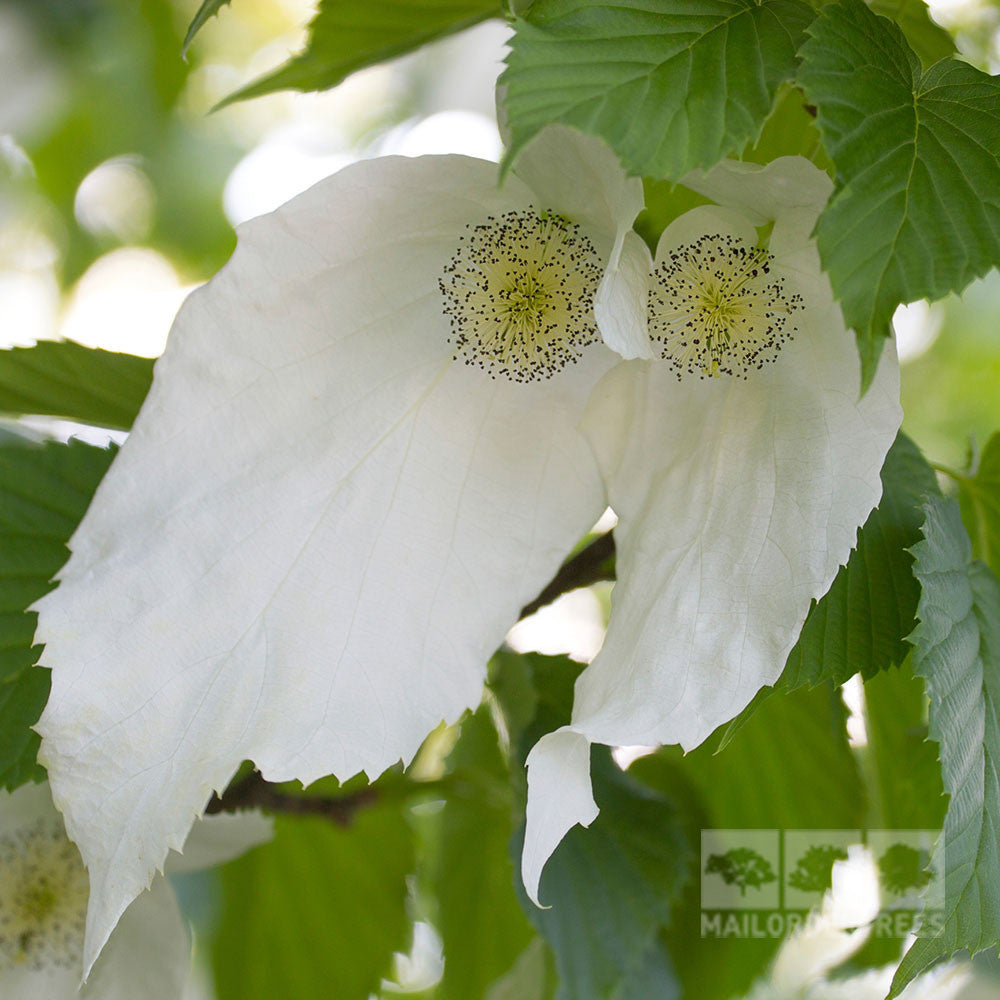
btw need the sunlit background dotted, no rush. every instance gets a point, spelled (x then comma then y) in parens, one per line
(119, 190)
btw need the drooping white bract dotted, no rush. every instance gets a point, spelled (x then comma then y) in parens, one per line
(359, 459)
(376, 434)
(740, 465)
(43, 906)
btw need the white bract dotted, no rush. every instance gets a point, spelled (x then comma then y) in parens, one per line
(43, 907)
(376, 434)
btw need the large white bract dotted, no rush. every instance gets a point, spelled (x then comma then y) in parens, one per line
(43, 907)
(377, 433)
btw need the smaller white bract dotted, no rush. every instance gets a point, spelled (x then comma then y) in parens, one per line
(43, 908)
(377, 433)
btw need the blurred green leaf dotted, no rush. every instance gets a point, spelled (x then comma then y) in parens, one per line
(861, 624)
(669, 85)
(63, 379)
(481, 923)
(44, 492)
(902, 774)
(610, 889)
(980, 498)
(664, 202)
(916, 208)
(533, 976)
(790, 767)
(535, 694)
(757, 782)
(317, 912)
(958, 655)
(654, 976)
(904, 783)
(790, 130)
(207, 10)
(347, 35)
(927, 38)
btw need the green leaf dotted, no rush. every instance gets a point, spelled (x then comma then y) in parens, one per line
(320, 908)
(532, 977)
(481, 923)
(347, 35)
(668, 84)
(790, 130)
(927, 38)
(63, 379)
(535, 695)
(980, 498)
(207, 10)
(861, 624)
(790, 767)
(902, 774)
(916, 208)
(958, 655)
(757, 782)
(610, 890)
(664, 202)
(21, 702)
(44, 492)
(905, 776)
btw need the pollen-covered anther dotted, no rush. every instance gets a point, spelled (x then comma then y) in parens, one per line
(718, 310)
(520, 295)
(43, 898)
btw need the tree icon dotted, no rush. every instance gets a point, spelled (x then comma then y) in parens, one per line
(903, 867)
(814, 870)
(741, 866)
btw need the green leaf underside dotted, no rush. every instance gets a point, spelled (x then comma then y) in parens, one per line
(957, 652)
(482, 926)
(336, 895)
(44, 492)
(610, 890)
(860, 625)
(63, 379)
(668, 84)
(980, 499)
(347, 35)
(916, 208)
(927, 38)
(205, 13)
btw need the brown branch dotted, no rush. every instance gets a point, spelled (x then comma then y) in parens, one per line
(254, 792)
(589, 565)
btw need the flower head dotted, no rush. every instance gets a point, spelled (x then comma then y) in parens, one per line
(43, 897)
(376, 434)
(717, 308)
(43, 907)
(520, 294)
